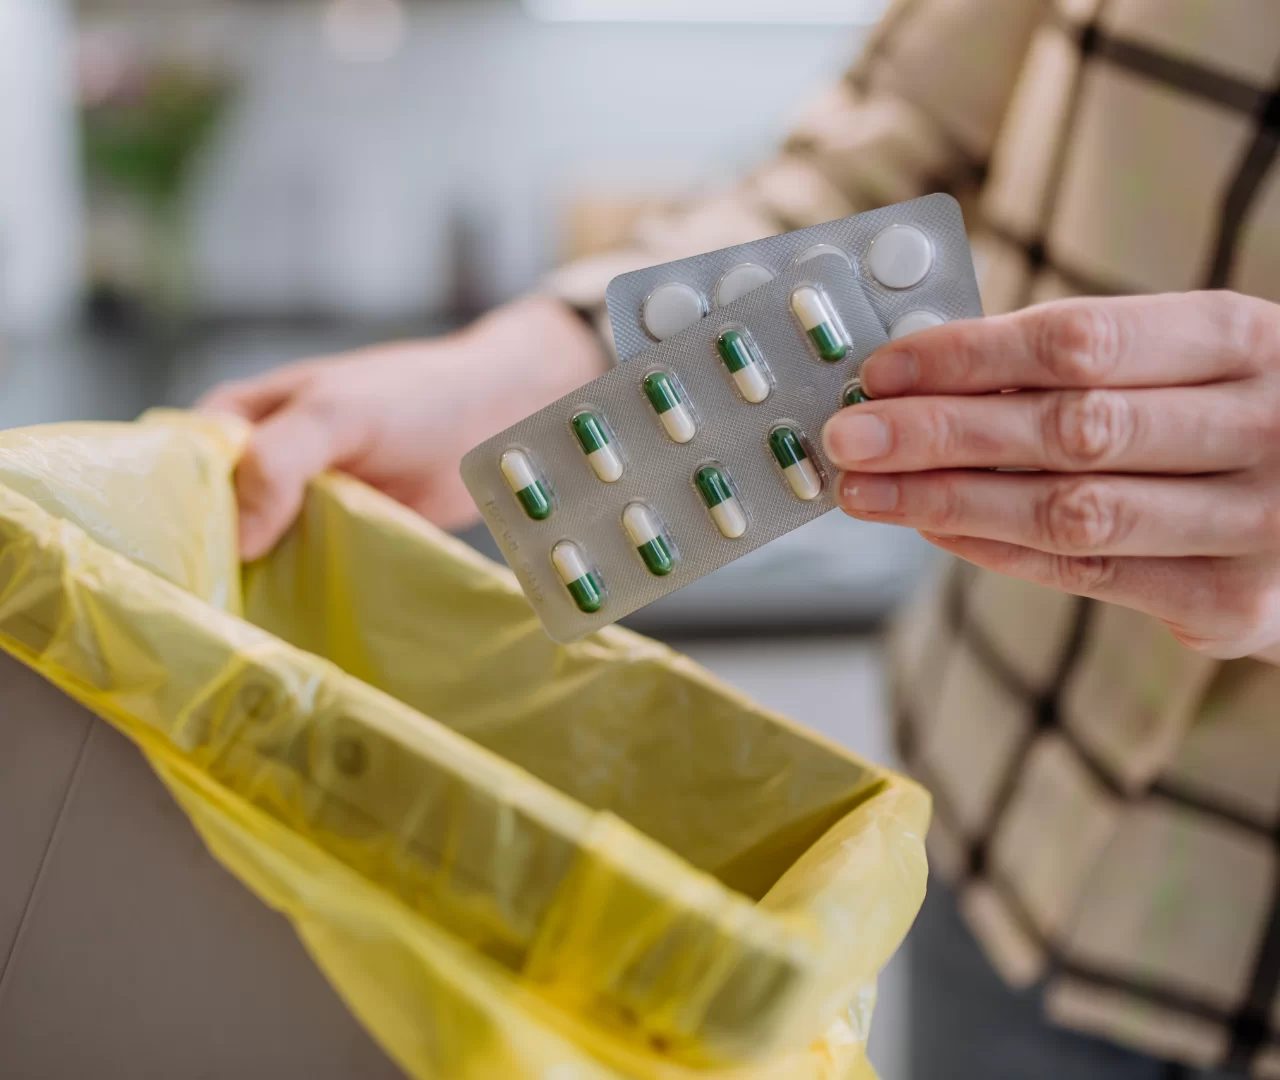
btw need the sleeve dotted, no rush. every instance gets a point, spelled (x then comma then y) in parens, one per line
(917, 113)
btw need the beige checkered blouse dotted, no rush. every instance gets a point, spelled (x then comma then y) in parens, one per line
(1108, 801)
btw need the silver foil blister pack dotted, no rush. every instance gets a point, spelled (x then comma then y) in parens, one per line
(705, 446)
(946, 291)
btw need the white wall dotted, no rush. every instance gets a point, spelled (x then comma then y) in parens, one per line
(40, 264)
(335, 184)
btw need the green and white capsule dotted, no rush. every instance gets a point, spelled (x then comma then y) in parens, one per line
(650, 538)
(579, 578)
(789, 452)
(668, 402)
(816, 315)
(530, 489)
(744, 362)
(854, 394)
(594, 437)
(716, 491)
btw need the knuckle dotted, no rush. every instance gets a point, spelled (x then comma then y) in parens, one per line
(1266, 423)
(1080, 516)
(1083, 574)
(1269, 612)
(259, 476)
(1247, 328)
(965, 353)
(1269, 527)
(323, 405)
(1089, 428)
(1255, 426)
(947, 510)
(1196, 641)
(944, 434)
(1250, 609)
(1078, 343)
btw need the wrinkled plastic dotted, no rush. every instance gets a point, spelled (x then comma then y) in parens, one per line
(512, 859)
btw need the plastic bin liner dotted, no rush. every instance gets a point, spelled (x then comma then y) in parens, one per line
(512, 859)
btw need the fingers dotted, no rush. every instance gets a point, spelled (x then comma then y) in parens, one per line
(1212, 429)
(1064, 515)
(287, 450)
(256, 399)
(1177, 339)
(1229, 602)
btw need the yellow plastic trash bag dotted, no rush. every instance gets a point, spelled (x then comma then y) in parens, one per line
(512, 859)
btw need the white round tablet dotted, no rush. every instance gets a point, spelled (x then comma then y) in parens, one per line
(821, 249)
(739, 281)
(900, 257)
(671, 308)
(913, 321)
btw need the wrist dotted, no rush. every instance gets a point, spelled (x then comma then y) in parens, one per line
(540, 341)
(525, 355)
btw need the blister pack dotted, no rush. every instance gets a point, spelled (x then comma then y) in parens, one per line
(706, 445)
(912, 259)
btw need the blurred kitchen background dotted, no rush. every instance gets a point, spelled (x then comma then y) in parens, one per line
(197, 190)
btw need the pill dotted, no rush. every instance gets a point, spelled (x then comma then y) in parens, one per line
(717, 493)
(671, 308)
(901, 256)
(530, 490)
(789, 452)
(582, 582)
(854, 394)
(818, 250)
(667, 401)
(594, 437)
(814, 312)
(650, 539)
(739, 281)
(741, 357)
(913, 321)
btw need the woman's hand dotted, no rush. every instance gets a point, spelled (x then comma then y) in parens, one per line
(400, 417)
(1153, 424)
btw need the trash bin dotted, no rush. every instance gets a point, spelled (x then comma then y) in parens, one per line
(126, 951)
(509, 858)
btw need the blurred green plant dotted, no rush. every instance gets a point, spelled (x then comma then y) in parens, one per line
(143, 140)
(142, 135)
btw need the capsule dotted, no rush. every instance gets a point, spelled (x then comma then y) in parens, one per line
(819, 322)
(582, 582)
(532, 493)
(854, 394)
(650, 539)
(665, 397)
(743, 361)
(789, 452)
(594, 437)
(717, 493)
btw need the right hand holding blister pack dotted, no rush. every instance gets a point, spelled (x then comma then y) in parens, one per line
(702, 445)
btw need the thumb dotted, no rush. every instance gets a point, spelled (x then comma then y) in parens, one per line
(286, 451)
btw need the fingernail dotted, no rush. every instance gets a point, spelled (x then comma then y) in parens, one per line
(888, 373)
(851, 438)
(868, 494)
